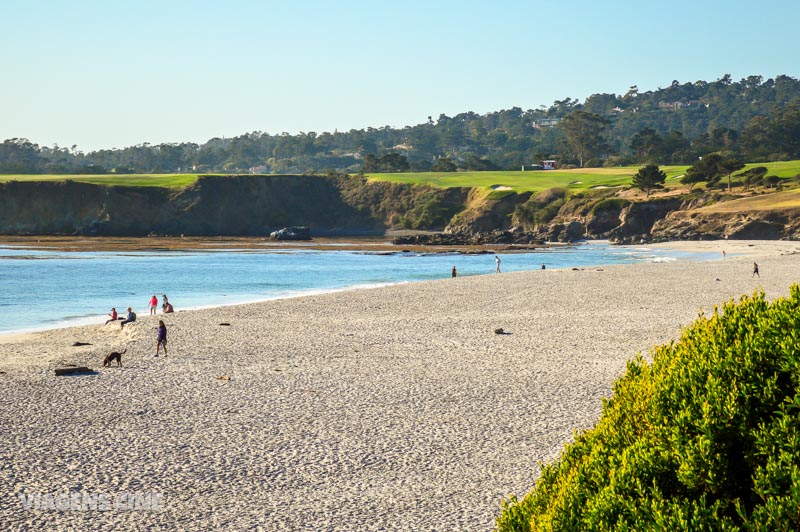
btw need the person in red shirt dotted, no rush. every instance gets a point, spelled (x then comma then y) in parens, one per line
(113, 316)
(153, 305)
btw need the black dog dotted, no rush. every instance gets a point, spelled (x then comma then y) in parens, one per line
(112, 357)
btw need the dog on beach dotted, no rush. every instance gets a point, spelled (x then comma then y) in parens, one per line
(111, 357)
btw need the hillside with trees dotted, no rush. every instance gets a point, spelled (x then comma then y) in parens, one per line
(753, 119)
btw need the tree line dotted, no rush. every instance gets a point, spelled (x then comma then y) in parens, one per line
(754, 119)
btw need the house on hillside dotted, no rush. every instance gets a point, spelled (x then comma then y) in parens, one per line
(550, 164)
(262, 169)
(546, 122)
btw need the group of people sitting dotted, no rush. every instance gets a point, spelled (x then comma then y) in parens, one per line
(166, 308)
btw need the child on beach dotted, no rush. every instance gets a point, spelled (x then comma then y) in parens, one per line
(161, 341)
(113, 316)
(153, 305)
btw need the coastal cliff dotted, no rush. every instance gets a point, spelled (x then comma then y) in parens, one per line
(551, 216)
(225, 205)
(352, 205)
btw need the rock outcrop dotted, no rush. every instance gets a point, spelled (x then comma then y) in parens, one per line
(752, 225)
(515, 237)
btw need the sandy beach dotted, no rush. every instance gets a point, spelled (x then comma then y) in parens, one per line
(394, 408)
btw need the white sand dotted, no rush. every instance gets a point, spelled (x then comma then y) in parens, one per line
(395, 408)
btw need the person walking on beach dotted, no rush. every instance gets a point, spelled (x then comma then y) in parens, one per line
(164, 302)
(161, 340)
(755, 270)
(723, 254)
(153, 305)
(113, 316)
(453, 272)
(497, 262)
(130, 318)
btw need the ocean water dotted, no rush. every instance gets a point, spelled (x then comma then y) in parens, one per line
(47, 289)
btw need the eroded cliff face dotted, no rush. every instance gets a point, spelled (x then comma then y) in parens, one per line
(340, 205)
(750, 225)
(224, 205)
(607, 216)
(70, 207)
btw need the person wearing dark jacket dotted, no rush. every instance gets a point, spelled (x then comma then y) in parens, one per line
(161, 341)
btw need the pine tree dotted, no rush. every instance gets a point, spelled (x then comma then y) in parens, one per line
(649, 177)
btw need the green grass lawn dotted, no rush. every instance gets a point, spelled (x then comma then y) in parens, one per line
(128, 180)
(578, 179)
(574, 180)
(781, 169)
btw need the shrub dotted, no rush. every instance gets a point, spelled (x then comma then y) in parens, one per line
(610, 204)
(497, 195)
(548, 212)
(707, 437)
(542, 208)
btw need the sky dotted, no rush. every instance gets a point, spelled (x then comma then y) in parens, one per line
(116, 73)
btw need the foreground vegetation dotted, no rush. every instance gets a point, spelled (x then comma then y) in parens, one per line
(707, 437)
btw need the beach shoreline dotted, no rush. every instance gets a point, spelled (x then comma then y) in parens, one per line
(203, 278)
(385, 408)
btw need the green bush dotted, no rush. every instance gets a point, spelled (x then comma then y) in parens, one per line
(548, 212)
(610, 204)
(542, 208)
(497, 195)
(707, 437)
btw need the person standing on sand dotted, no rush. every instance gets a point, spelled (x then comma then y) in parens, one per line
(153, 305)
(454, 273)
(497, 262)
(161, 340)
(755, 270)
(113, 316)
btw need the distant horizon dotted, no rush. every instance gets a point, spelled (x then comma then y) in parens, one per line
(113, 75)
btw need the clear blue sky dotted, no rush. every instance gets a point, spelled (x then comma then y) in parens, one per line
(113, 73)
